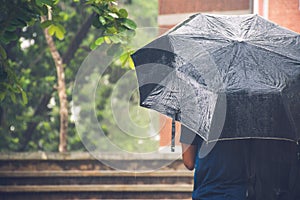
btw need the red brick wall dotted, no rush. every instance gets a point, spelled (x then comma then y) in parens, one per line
(260, 6)
(188, 6)
(166, 131)
(285, 13)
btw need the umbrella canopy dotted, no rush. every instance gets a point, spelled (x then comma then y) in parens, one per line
(225, 77)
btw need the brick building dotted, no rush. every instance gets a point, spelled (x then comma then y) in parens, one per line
(171, 12)
(283, 12)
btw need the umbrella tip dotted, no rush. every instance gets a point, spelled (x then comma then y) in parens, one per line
(172, 149)
(240, 39)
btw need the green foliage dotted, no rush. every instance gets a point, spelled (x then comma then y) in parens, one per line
(115, 27)
(28, 76)
(16, 15)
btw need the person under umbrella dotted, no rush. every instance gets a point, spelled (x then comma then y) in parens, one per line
(241, 169)
(234, 82)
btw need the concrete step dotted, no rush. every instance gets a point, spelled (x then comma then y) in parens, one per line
(76, 177)
(48, 176)
(116, 191)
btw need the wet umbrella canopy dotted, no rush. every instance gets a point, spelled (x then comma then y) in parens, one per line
(225, 77)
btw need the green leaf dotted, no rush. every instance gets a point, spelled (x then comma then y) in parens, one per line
(131, 63)
(89, 2)
(109, 18)
(15, 140)
(47, 125)
(13, 97)
(123, 58)
(44, 2)
(50, 78)
(99, 41)
(115, 39)
(113, 2)
(59, 34)
(111, 30)
(46, 24)
(107, 40)
(2, 96)
(64, 15)
(129, 24)
(18, 22)
(114, 15)
(122, 29)
(39, 3)
(31, 22)
(114, 9)
(58, 30)
(3, 52)
(61, 28)
(93, 46)
(126, 58)
(52, 29)
(10, 36)
(11, 28)
(24, 97)
(102, 20)
(4, 40)
(21, 22)
(123, 13)
(11, 74)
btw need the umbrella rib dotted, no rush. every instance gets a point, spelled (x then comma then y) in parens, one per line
(231, 61)
(253, 23)
(195, 27)
(200, 37)
(268, 30)
(277, 53)
(209, 21)
(263, 34)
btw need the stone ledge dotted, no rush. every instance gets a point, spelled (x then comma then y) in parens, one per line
(87, 156)
(86, 174)
(99, 188)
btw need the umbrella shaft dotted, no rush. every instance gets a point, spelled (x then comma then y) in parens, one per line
(173, 135)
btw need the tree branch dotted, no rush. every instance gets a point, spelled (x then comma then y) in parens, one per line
(31, 126)
(77, 39)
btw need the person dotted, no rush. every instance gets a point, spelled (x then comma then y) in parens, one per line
(241, 169)
(220, 168)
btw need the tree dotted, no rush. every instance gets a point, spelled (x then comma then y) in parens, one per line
(19, 14)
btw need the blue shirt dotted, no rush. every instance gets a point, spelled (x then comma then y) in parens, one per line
(220, 168)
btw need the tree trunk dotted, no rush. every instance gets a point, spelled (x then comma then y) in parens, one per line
(63, 103)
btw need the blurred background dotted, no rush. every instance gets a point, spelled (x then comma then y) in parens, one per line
(35, 126)
(43, 44)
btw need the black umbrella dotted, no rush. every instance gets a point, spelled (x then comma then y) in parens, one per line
(225, 77)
